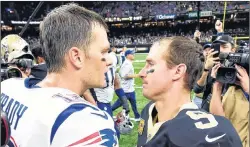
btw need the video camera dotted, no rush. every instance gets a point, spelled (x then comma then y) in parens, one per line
(15, 72)
(227, 73)
(8, 72)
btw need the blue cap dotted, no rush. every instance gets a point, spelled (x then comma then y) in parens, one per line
(207, 45)
(127, 52)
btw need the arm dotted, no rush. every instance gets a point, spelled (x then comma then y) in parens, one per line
(123, 99)
(125, 72)
(218, 27)
(197, 35)
(210, 61)
(216, 106)
(131, 76)
(201, 83)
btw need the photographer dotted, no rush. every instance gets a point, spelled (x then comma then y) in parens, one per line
(20, 58)
(204, 84)
(40, 69)
(207, 52)
(234, 103)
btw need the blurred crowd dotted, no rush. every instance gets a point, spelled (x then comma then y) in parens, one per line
(149, 38)
(22, 11)
(116, 9)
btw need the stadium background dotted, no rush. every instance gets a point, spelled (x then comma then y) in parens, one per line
(136, 25)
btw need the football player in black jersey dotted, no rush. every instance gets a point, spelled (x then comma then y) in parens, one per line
(172, 67)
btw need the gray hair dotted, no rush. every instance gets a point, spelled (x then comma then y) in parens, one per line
(64, 27)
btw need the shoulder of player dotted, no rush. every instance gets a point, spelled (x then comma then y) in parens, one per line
(194, 115)
(81, 119)
(200, 123)
(127, 64)
(12, 82)
(201, 128)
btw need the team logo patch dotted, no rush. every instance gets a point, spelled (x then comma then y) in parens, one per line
(105, 137)
(68, 97)
(141, 126)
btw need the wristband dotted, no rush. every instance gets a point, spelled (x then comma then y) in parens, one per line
(206, 69)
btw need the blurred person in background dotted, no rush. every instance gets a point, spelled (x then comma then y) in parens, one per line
(127, 83)
(208, 61)
(18, 54)
(39, 70)
(231, 100)
(122, 55)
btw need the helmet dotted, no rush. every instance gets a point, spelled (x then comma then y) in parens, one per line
(123, 122)
(16, 47)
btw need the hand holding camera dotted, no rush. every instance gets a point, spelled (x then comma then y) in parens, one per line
(243, 78)
(214, 70)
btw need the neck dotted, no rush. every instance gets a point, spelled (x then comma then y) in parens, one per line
(170, 103)
(63, 80)
(41, 62)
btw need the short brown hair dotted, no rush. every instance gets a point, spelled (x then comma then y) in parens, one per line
(64, 27)
(186, 51)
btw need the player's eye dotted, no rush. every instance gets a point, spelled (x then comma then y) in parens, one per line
(151, 63)
(105, 51)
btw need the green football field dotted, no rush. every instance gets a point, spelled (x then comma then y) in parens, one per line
(130, 140)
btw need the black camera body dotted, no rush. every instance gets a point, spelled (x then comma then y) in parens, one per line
(9, 72)
(227, 73)
(15, 72)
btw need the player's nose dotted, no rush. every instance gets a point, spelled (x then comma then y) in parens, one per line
(108, 60)
(142, 73)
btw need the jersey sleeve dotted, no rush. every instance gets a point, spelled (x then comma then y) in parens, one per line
(81, 125)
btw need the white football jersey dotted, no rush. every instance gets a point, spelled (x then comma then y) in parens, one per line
(54, 117)
(115, 60)
(121, 58)
(106, 94)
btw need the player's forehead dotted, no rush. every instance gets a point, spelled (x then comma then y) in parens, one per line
(99, 36)
(156, 52)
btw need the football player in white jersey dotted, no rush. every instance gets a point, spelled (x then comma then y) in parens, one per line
(122, 55)
(51, 113)
(104, 96)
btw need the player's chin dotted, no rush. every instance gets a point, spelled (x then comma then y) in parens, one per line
(102, 83)
(145, 92)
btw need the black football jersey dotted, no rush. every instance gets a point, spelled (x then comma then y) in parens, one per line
(192, 127)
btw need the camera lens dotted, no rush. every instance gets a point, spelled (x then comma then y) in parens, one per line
(14, 73)
(229, 75)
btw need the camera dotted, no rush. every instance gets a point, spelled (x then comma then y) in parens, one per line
(9, 72)
(227, 73)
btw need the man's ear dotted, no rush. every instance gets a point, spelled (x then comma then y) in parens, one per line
(76, 57)
(179, 72)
